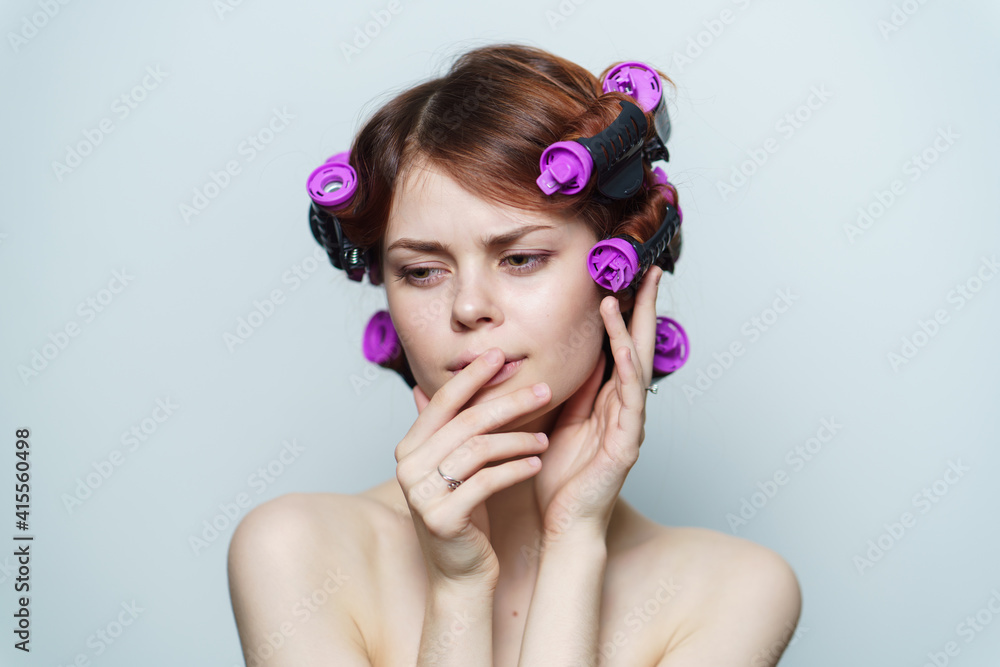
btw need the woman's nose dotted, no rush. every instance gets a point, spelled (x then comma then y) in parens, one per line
(475, 303)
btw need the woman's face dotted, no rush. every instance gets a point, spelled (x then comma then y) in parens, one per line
(453, 293)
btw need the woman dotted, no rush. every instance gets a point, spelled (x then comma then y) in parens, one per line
(502, 539)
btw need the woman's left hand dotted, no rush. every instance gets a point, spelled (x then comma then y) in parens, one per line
(596, 439)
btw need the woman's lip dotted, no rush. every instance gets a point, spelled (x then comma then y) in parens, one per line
(507, 370)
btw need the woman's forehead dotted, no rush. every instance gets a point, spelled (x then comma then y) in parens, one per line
(430, 202)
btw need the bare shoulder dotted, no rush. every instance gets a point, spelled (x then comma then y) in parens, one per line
(309, 519)
(296, 569)
(743, 599)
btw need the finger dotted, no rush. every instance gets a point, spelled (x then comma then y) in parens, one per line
(470, 426)
(618, 333)
(642, 328)
(456, 392)
(495, 413)
(477, 420)
(487, 482)
(481, 450)
(630, 378)
(631, 415)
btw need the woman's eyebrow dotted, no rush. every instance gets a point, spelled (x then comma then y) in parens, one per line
(489, 242)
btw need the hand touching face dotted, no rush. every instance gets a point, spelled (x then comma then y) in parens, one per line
(463, 275)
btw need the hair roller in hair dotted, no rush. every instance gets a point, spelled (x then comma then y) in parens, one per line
(381, 346)
(614, 155)
(619, 262)
(342, 252)
(672, 347)
(566, 167)
(334, 182)
(643, 84)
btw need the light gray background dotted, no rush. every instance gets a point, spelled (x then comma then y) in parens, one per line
(301, 375)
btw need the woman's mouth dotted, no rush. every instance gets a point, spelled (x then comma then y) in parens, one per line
(505, 372)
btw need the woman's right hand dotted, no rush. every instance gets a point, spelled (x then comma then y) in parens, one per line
(453, 525)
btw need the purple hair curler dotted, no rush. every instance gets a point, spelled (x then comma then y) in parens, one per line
(381, 343)
(383, 347)
(334, 182)
(613, 263)
(565, 166)
(672, 346)
(638, 80)
(614, 154)
(643, 84)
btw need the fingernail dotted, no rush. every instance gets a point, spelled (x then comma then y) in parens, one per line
(659, 274)
(539, 390)
(494, 356)
(541, 437)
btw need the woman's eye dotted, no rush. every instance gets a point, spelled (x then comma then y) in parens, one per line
(524, 263)
(519, 257)
(518, 263)
(417, 276)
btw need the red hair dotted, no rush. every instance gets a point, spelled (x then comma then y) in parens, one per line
(485, 124)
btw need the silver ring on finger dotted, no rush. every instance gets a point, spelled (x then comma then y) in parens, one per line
(452, 482)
